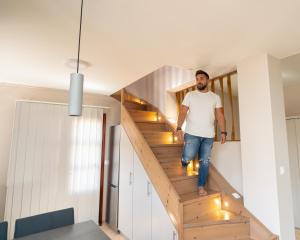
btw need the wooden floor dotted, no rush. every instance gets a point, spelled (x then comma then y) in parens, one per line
(110, 233)
(115, 236)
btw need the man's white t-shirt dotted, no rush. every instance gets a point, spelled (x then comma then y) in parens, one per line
(201, 115)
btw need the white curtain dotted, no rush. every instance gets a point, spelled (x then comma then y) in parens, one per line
(54, 162)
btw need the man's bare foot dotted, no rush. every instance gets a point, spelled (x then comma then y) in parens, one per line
(201, 191)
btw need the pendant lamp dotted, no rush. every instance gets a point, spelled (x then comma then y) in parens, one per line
(76, 82)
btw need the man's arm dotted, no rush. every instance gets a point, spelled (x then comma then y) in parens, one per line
(221, 122)
(181, 117)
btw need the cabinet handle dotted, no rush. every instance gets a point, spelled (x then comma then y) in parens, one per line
(130, 178)
(174, 235)
(148, 188)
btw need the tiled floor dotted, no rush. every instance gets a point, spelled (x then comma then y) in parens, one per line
(110, 233)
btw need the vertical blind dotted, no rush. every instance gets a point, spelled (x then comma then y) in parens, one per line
(54, 162)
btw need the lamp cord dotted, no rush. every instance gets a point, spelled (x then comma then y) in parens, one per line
(79, 36)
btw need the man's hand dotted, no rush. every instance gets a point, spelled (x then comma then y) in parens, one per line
(179, 135)
(223, 138)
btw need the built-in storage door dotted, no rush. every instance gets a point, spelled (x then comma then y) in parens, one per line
(125, 185)
(141, 202)
(162, 226)
(293, 131)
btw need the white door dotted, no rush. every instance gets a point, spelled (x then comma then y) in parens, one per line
(162, 226)
(125, 185)
(141, 202)
(293, 132)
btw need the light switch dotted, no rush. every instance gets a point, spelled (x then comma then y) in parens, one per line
(281, 170)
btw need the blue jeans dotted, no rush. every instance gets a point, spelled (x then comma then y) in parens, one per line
(202, 146)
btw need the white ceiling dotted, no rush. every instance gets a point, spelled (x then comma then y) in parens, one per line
(126, 39)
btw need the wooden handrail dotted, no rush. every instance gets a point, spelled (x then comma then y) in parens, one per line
(212, 85)
(157, 175)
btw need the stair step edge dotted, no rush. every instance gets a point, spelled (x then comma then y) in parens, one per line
(185, 177)
(215, 223)
(199, 198)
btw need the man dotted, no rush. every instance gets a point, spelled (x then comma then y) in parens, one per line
(200, 107)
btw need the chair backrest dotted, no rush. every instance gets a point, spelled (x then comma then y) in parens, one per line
(43, 222)
(3, 230)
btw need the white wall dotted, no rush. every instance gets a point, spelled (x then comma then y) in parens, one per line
(154, 88)
(227, 159)
(292, 98)
(8, 96)
(266, 180)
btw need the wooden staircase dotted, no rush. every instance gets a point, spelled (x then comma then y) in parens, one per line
(202, 218)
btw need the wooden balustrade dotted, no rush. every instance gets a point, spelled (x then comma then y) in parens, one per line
(222, 85)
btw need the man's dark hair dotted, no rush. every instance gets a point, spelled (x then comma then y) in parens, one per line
(202, 72)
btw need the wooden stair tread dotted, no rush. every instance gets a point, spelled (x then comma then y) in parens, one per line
(167, 145)
(186, 175)
(217, 218)
(187, 198)
(156, 122)
(140, 111)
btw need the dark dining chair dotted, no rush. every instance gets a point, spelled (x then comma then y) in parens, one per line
(43, 222)
(3, 230)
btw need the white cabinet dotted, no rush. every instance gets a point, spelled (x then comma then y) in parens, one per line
(125, 185)
(142, 215)
(162, 227)
(293, 132)
(141, 202)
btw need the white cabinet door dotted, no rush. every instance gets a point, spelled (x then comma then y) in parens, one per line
(162, 226)
(293, 132)
(141, 202)
(125, 185)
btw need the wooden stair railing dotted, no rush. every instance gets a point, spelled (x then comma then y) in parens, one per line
(157, 175)
(214, 217)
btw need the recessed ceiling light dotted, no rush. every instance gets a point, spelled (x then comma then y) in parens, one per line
(72, 63)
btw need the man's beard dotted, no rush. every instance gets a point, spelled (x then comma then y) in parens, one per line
(201, 86)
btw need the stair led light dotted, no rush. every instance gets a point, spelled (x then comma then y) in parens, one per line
(226, 216)
(236, 195)
(217, 202)
(226, 204)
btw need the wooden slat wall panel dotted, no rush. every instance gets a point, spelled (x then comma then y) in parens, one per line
(54, 163)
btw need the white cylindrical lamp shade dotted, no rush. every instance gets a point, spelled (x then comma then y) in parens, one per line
(75, 94)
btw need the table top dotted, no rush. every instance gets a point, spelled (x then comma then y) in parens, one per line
(80, 231)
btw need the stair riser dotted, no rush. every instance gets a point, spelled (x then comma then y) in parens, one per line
(155, 127)
(186, 185)
(165, 154)
(194, 211)
(135, 106)
(154, 138)
(218, 232)
(140, 116)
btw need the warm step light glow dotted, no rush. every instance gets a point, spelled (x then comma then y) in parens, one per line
(175, 138)
(190, 167)
(218, 202)
(226, 216)
(197, 165)
(226, 204)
